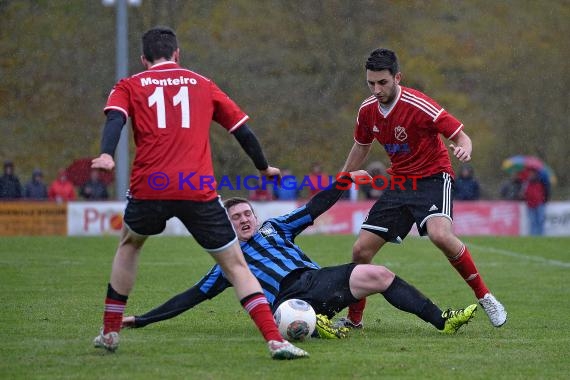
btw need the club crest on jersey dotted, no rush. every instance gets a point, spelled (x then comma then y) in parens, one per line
(267, 230)
(400, 133)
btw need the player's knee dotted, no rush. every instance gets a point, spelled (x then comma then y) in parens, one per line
(439, 237)
(232, 264)
(131, 239)
(381, 276)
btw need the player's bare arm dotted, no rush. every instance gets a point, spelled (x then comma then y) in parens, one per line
(360, 175)
(462, 147)
(356, 157)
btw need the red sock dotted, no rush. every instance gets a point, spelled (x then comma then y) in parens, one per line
(113, 315)
(464, 264)
(258, 308)
(356, 310)
(114, 308)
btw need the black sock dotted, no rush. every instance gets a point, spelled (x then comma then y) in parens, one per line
(112, 294)
(405, 297)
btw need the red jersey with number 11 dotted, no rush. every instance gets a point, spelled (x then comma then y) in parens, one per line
(171, 109)
(409, 133)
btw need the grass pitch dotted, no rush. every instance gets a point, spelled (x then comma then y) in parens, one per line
(52, 291)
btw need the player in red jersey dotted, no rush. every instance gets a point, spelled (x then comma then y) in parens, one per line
(171, 109)
(407, 123)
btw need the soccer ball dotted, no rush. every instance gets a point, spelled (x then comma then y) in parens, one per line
(295, 319)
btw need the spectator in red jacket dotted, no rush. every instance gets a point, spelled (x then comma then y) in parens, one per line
(536, 194)
(319, 180)
(261, 192)
(62, 189)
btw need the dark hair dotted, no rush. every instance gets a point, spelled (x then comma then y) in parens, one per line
(383, 59)
(231, 202)
(159, 42)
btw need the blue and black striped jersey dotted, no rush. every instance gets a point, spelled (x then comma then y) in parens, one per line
(271, 255)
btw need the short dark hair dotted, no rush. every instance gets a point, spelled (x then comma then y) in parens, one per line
(159, 42)
(231, 202)
(383, 59)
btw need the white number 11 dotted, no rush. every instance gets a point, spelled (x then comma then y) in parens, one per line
(181, 98)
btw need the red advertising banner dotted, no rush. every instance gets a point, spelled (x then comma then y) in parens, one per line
(345, 217)
(470, 218)
(486, 218)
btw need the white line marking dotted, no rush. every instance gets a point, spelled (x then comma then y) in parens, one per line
(521, 256)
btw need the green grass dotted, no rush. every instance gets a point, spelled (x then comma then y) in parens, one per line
(52, 292)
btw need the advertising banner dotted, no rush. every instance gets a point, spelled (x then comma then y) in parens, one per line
(106, 218)
(470, 218)
(487, 218)
(499, 218)
(557, 219)
(343, 218)
(32, 218)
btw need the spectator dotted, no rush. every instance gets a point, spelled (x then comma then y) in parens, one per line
(511, 189)
(287, 189)
(94, 189)
(36, 189)
(466, 186)
(536, 194)
(377, 171)
(10, 187)
(318, 180)
(61, 189)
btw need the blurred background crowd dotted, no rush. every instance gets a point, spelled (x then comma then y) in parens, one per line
(297, 68)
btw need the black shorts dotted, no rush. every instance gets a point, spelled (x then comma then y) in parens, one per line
(395, 212)
(327, 290)
(207, 221)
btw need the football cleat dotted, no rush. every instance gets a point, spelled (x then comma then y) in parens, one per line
(285, 350)
(109, 341)
(326, 330)
(494, 309)
(345, 322)
(454, 319)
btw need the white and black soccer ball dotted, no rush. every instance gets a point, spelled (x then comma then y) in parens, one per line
(295, 319)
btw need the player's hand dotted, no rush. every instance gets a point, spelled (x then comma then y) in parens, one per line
(104, 161)
(271, 173)
(358, 176)
(128, 322)
(461, 153)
